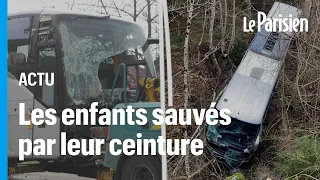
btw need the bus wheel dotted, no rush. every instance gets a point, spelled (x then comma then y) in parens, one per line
(141, 168)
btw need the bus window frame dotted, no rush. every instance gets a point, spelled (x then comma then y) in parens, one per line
(29, 44)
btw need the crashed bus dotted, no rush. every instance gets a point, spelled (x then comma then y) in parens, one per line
(94, 58)
(248, 93)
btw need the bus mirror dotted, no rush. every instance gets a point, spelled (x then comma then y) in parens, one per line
(17, 59)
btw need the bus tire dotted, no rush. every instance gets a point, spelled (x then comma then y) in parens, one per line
(148, 167)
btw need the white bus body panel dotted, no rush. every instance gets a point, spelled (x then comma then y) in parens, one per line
(248, 92)
(17, 94)
(48, 132)
(20, 94)
(285, 10)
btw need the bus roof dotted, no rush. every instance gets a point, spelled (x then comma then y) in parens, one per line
(248, 93)
(55, 11)
(249, 90)
(285, 10)
(280, 46)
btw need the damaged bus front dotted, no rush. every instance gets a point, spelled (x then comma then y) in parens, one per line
(84, 51)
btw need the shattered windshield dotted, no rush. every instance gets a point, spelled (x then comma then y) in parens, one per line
(239, 132)
(93, 48)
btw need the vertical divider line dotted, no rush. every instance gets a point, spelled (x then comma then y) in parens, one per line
(4, 91)
(168, 52)
(162, 90)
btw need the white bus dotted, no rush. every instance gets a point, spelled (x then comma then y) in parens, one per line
(248, 93)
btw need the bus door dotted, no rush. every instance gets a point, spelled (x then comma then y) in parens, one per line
(47, 96)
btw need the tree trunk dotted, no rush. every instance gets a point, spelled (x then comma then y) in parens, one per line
(211, 26)
(134, 10)
(149, 18)
(186, 81)
(233, 32)
(249, 8)
(223, 20)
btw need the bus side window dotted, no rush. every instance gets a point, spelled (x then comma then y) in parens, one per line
(18, 35)
(18, 45)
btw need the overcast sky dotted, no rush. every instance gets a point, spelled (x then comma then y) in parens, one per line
(26, 5)
(23, 5)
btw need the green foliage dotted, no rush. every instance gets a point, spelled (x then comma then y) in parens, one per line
(236, 176)
(303, 160)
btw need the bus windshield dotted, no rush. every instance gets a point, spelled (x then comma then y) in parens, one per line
(88, 43)
(238, 132)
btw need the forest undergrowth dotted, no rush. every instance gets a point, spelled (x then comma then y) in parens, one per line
(208, 36)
